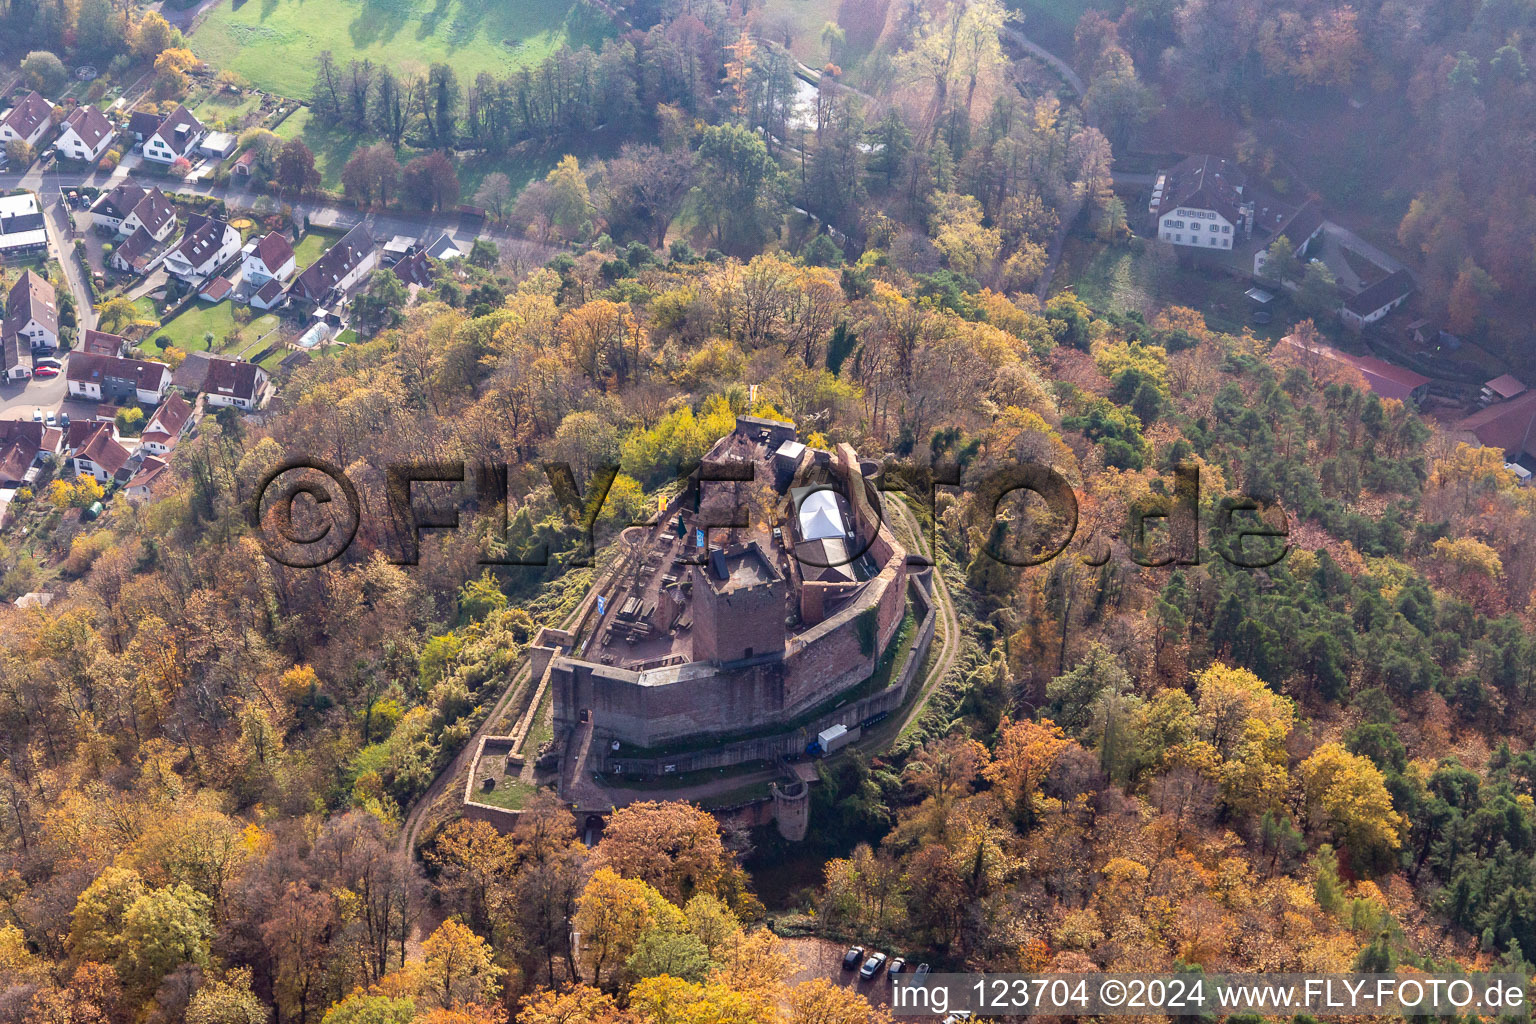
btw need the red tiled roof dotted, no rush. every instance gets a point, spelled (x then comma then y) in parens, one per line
(1382, 377)
(104, 451)
(1509, 425)
(26, 116)
(100, 343)
(89, 123)
(273, 250)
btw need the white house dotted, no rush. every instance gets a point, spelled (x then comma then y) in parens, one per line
(1201, 204)
(154, 213)
(11, 365)
(167, 426)
(176, 137)
(142, 484)
(27, 120)
(130, 206)
(223, 382)
(106, 378)
(102, 457)
(208, 244)
(341, 266)
(32, 311)
(85, 134)
(1377, 300)
(21, 225)
(270, 258)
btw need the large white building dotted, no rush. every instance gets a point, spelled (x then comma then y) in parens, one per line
(1200, 203)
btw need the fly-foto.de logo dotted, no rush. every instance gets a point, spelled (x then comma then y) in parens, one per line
(307, 512)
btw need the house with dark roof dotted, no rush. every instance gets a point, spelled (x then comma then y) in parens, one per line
(269, 295)
(103, 457)
(21, 225)
(111, 378)
(85, 134)
(21, 442)
(1375, 301)
(1201, 204)
(269, 258)
(32, 311)
(331, 277)
(142, 124)
(177, 136)
(416, 269)
(100, 343)
(115, 205)
(223, 382)
(130, 206)
(1381, 377)
(134, 254)
(206, 246)
(170, 423)
(12, 367)
(27, 120)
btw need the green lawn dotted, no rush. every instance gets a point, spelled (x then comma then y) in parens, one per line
(221, 106)
(511, 793)
(312, 245)
(188, 331)
(274, 43)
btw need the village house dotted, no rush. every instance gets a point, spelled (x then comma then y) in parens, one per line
(223, 382)
(130, 207)
(142, 124)
(27, 120)
(85, 134)
(343, 265)
(1375, 301)
(111, 378)
(103, 458)
(206, 246)
(21, 225)
(269, 295)
(12, 368)
(134, 254)
(32, 311)
(270, 258)
(100, 343)
(177, 136)
(141, 485)
(167, 426)
(1200, 203)
(21, 442)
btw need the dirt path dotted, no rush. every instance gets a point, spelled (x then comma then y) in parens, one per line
(946, 630)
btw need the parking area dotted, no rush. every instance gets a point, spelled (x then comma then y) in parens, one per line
(822, 958)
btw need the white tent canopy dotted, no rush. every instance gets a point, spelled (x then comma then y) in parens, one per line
(820, 518)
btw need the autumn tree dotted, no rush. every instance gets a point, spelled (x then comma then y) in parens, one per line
(1026, 752)
(430, 181)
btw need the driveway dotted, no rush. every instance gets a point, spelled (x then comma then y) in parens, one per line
(18, 400)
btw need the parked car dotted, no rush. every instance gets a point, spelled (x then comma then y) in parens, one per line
(64, 419)
(923, 970)
(45, 371)
(48, 361)
(872, 966)
(37, 414)
(897, 966)
(852, 957)
(53, 420)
